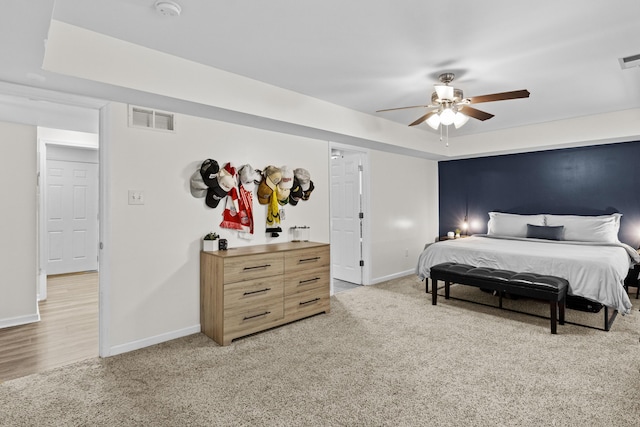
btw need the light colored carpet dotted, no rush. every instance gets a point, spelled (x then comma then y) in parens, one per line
(383, 356)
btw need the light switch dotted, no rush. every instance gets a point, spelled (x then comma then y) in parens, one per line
(136, 197)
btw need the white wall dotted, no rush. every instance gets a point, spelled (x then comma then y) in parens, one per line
(404, 212)
(155, 247)
(18, 249)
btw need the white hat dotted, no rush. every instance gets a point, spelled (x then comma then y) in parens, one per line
(248, 177)
(287, 178)
(197, 186)
(225, 180)
(304, 178)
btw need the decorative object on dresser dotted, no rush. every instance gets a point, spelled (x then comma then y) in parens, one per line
(210, 242)
(253, 288)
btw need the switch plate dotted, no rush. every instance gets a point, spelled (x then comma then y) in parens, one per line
(136, 197)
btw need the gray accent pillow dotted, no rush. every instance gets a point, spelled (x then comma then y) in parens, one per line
(545, 232)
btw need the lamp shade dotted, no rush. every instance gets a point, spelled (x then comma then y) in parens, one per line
(447, 116)
(444, 92)
(460, 119)
(434, 121)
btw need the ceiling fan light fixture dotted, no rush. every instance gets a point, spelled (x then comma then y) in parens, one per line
(444, 91)
(434, 121)
(460, 119)
(447, 116)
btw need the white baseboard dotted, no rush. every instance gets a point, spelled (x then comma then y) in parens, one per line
(20, 320)
(392, 276)
(157, 339)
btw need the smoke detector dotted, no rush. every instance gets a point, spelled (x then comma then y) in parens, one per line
(168, 8)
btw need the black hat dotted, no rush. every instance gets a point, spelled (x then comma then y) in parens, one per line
(296, 192)
(208, 170)
(307, 193)
(214, 195)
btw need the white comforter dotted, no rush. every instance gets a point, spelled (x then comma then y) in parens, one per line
(594, 270)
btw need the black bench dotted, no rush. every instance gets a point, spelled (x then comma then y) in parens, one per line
(531, 285)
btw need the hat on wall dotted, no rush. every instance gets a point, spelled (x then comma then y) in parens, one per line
(197, 186)
(208, 170)
(285, 185)
(286, 182)
(214, 195)
(295, 193)
(221, 184)
(304, 177)
(248, 177)
(270, 178)
(307, 193)
(225, 179)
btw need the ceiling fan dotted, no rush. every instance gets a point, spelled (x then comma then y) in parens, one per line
(450, 107)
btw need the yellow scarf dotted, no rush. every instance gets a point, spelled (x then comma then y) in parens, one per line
(273, 210)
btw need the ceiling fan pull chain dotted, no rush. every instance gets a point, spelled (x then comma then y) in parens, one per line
(447, 136)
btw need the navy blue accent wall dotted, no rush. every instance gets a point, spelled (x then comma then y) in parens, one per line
(581, 181)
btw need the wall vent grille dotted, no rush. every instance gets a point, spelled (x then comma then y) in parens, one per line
(151, 119)
(630, 61)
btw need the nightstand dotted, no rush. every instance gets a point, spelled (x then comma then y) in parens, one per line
(633, 280)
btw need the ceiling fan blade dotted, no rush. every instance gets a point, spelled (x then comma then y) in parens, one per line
(423, 118)
(404, 108)
(502, 96)
(475, 113)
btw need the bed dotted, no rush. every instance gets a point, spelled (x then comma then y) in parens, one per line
(583, 250)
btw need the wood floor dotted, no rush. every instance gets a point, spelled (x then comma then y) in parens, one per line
(66, 333)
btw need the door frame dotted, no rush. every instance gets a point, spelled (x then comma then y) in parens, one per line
(366, 206)
(44, 139)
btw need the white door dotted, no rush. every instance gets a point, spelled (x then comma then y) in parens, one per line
(346, 230)
(72, 216)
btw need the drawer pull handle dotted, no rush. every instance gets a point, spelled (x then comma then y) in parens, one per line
(309, 302)
(257, 267)
(257, 292)
(257, 315)
(304, 282)
(314, 259)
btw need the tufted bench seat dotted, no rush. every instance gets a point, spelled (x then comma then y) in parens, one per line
(531, 285)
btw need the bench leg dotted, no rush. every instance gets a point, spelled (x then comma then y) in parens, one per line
(554, 316)
(447, 285)
(561, 307)
(434, 292)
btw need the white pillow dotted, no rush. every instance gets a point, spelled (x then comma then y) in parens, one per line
(511, 225)
(602, 228)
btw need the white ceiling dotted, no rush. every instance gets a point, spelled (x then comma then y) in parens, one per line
(366, 54)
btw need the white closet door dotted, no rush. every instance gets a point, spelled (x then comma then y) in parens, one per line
(345, 209)
(72, 216)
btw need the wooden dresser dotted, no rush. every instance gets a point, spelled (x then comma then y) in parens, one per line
(249, 289)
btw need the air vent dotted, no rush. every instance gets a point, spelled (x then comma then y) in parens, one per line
(630, 61)
(151, 119)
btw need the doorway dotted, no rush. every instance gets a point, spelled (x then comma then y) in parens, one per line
(68, 241)
(68, 204)
(348, 217)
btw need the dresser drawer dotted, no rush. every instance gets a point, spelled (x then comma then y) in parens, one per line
(306, 280)
(307, 303)
(237, 269)
(304, 259)
(252, 318)
(256, 291)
